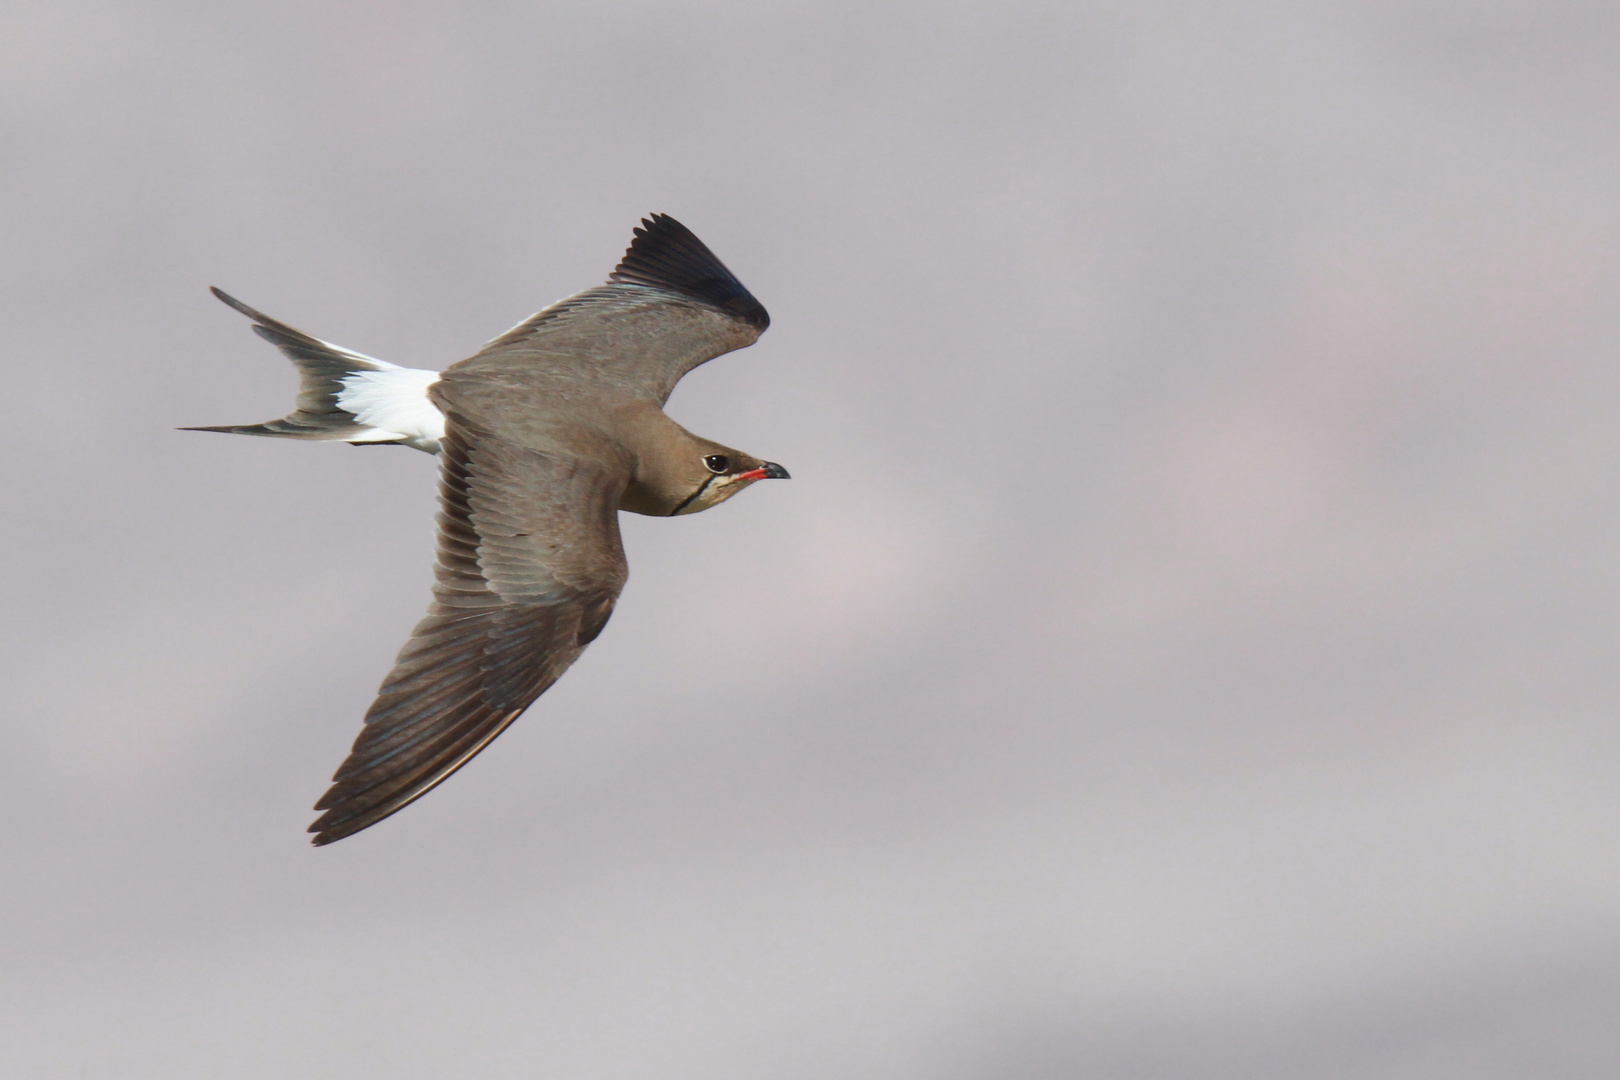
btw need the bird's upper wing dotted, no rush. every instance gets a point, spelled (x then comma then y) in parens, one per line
(529, 567)
(668, 306)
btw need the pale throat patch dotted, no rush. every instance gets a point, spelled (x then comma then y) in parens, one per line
(718, 491)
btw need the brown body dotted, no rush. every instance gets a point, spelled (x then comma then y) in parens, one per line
(546, 434)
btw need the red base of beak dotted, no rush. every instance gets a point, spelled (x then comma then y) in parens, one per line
(771, 471)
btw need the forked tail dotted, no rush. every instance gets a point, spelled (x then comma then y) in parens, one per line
(344, 396)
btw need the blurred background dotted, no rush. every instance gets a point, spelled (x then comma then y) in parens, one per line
(1186, 648)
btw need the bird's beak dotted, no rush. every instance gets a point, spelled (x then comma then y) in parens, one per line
(771, 471)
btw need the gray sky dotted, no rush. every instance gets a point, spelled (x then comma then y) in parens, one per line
(1185, 650)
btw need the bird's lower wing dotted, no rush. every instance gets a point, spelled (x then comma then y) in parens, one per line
(529, 567)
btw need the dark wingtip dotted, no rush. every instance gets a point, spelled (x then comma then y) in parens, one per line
(666, 255)
(328, 831)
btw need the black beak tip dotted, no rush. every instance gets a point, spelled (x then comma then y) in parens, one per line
(773, 471)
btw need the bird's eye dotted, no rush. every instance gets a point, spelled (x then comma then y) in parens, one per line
(717, 463)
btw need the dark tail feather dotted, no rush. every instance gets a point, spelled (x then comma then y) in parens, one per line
(322, 368)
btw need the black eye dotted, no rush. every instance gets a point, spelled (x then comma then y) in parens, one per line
(718, 463)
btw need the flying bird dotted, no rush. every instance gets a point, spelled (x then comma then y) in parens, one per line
(543, 435)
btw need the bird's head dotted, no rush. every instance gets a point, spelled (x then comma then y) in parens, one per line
(719, 472)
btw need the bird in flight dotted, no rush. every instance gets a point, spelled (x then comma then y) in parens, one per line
(543, 435)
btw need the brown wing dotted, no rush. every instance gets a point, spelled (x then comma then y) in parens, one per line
(668, 306)
(529, 567)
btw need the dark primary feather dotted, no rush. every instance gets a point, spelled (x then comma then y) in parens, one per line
(529, 567)
(321, 369)
(666, 255)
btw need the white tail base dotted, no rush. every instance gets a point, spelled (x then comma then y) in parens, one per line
(394, 405)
